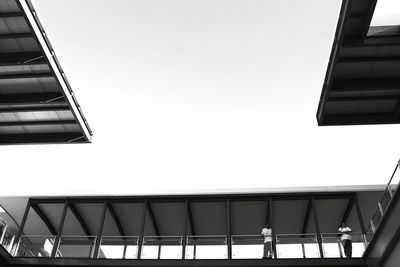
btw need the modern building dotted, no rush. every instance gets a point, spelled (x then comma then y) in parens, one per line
(37, 105)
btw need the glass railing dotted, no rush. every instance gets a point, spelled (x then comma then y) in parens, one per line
(197, 247)
(297, 246)
(247, 246)
(207, 247)
(119, 247)
(35, 246)
(162, 247)
(333, 248)
(76, 247)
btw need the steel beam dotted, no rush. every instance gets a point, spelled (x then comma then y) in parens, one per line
(307, 217)
(319, 239)
(272, 227)
(228, 227)
(185, 224)
(4, 15)
(153, 219)
(44, 218)
(116, 219)
(345, 60)
(31, 98)
(59, 230)
(140, 245)
(355, 119)
(80, 219)
(37, 122)
(27, 76)
(359, 214)
(191, 221)
(22, 58)
(41, 138)
(17, 239)
(34, 108)
(348, 210)
(100, 231)
(16, 35)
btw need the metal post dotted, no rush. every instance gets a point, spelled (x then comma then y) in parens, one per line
(319, 239)
(59, 230)
(228, 222)
(100, 231)
(15, 245)
(360, 219)
(272, 227)
(184, 236)
(140, 245)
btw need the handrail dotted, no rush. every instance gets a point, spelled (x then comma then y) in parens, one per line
(388, 187)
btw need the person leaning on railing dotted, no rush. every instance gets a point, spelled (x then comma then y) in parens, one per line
(267, 234)
(345, 239)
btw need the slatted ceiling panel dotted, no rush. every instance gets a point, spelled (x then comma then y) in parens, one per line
(9, 6)
(28, 85)
(20, 69)
(13, 25)
(12, 130)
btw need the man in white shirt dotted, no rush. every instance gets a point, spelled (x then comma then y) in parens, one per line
(267, 234)
(345, 239)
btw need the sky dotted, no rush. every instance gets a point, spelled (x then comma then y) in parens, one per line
(387, 12)
(197, 96)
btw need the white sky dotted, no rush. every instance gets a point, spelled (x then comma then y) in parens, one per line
(387, 12)
(189, 96)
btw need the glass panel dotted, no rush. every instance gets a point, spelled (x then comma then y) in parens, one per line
(385, 200)
(333, 247)
(119, 247)
(162, 247)
(247, 247)
(206, 247)
(35, 246)
(297, 246)
(76, 246)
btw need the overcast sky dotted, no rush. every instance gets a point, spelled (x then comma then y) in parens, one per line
(189, 96)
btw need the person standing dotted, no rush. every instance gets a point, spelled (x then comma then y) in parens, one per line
(266, 232)
(345, 239)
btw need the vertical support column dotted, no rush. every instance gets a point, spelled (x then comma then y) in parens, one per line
(185, 221)
(59, 230)
(17, 239)
(319, 239)
(140, 245)
(100, 231)
(270, 218)
(360, 219)
(228, 224)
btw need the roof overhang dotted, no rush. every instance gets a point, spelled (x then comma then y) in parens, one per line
(37, 104)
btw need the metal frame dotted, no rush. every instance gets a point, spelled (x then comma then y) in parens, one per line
(69, 203)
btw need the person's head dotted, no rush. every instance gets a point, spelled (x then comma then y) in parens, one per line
(267, 225)
(343, 224)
